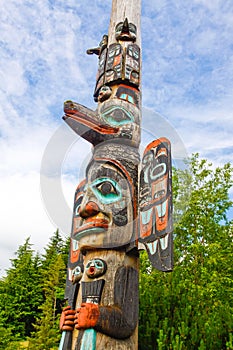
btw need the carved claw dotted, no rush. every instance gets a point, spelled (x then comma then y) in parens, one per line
(86, 316)
(67, 319)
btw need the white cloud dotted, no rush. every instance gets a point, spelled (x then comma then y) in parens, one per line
(12, 80)
(22, 215)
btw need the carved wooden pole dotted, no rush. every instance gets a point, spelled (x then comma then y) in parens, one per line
(115, 206)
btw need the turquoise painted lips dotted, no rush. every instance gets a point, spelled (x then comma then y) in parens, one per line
(87, 231)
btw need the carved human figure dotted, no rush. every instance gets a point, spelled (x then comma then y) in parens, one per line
(104, 221)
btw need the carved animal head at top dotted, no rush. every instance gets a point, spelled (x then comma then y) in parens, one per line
(125, 31)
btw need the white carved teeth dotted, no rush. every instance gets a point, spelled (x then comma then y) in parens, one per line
(164, 242)
(161, 209)
(152, 246)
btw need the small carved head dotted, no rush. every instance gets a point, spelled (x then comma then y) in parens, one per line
(104, 93)
(77, 274)
(95, 268)
(125, 31)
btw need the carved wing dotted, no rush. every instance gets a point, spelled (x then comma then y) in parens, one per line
(155, 204)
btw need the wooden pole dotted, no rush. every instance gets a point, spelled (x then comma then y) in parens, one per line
(105, 221)
(122, 9)
(115, 206)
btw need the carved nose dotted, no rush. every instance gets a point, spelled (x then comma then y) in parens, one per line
(125, 28)
(90, 209)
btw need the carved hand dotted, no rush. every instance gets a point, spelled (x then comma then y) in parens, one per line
(86, 316)
(67, 319)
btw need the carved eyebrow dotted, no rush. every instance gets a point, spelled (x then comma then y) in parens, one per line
(101, 171)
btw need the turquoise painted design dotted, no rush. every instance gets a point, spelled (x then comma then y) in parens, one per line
(117, 116)
(62, 340)
(106, 190)
(88, 231)
(127, 97)
(146, 216)
(89, 340)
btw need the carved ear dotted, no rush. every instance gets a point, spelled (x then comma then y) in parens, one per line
(155, 204)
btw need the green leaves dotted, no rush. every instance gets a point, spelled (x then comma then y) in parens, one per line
(19, 292)
(191, 308)
(31, 295)
(188, 309)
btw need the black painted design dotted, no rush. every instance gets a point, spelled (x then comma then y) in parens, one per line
(120, 218)
(120, 319)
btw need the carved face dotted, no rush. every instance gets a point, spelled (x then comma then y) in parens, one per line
(125, 31)
(95, 268)
(77, 274)
(105, 93)
(104, 212)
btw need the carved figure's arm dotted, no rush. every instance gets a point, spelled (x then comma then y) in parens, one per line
(119, 320)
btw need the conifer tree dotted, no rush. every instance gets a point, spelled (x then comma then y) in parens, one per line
(46, 334)
(19, 292)
(55, 246)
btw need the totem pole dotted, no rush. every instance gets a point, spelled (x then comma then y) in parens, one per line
(121, 202)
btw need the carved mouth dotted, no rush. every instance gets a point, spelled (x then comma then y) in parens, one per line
(91, 270)
(90, 226)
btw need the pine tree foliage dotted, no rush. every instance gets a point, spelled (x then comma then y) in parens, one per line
(46, 334)
(192, 307)
(31, 295)
(188, 309)
(55, 246)
(20, 296)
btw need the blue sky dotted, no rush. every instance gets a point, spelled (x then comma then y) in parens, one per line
(187, 95)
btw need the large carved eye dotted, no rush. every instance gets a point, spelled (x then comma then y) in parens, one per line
(99, 263)
(159, 194)
(106, 188)
(115, 115)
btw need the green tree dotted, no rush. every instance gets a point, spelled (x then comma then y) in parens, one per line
(19, 292)
(191, 308)
(55, 246)
(46, 334)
